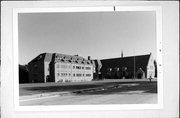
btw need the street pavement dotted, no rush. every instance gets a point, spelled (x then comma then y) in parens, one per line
(137, 98)
(121, 93)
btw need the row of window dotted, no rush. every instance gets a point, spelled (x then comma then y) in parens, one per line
(88, 68)
(63, 66)
(77, 67)
(74, 75)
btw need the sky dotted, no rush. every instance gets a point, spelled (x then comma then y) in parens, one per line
(100, 35)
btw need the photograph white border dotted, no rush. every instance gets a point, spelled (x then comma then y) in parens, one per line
(158, 11)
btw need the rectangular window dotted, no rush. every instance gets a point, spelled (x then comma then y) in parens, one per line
(78, 67)
(57, 66)
(88, 75)
(63, 66)
(88, 68)
(63, 74)
(78, 75)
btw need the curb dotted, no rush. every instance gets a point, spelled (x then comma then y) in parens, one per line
(44, 95)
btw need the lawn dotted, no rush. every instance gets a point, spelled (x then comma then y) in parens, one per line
(39, 88)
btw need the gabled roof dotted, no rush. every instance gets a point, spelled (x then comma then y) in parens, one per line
(42, 57)
(140, 61)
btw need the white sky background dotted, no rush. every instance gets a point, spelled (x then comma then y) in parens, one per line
(99, 34)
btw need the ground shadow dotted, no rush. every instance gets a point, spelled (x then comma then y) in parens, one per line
(141, 86)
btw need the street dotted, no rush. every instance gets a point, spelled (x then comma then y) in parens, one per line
(131, 93)
(125, 98)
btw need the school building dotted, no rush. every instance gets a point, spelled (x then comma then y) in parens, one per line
(56, 67)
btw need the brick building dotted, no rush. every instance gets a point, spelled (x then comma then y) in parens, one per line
(57, 67)
(39, 68)
(141, 66)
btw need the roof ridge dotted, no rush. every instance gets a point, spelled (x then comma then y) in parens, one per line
(126, 57)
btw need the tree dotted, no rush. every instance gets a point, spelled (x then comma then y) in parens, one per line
(23, 74)
(155, 65)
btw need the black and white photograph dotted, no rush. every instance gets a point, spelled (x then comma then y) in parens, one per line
(87, 58)
(75, 59)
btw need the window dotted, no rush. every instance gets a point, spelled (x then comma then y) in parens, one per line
(88, 68)
(63, 66)
(78, 67)
(63, 74)
(82, 67)
(57, 66)
(88, 75)
(78, 75)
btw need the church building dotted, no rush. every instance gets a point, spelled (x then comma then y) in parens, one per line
(140, 66)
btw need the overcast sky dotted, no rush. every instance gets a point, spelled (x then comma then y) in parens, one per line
(99, 35)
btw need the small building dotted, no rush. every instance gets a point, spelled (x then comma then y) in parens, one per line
(141, 66)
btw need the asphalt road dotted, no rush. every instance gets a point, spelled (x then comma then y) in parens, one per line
(139, 93)
(125, 98)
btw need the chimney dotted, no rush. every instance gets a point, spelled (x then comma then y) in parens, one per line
(121, 54)
(89, 58)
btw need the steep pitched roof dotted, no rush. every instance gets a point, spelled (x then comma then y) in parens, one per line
(42, 57)
(140, 61)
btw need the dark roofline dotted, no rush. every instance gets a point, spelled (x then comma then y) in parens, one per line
(127, 57)
(69, 55)
(38, 56)
(86, 61)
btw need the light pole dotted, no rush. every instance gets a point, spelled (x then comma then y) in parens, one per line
(134, 66)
